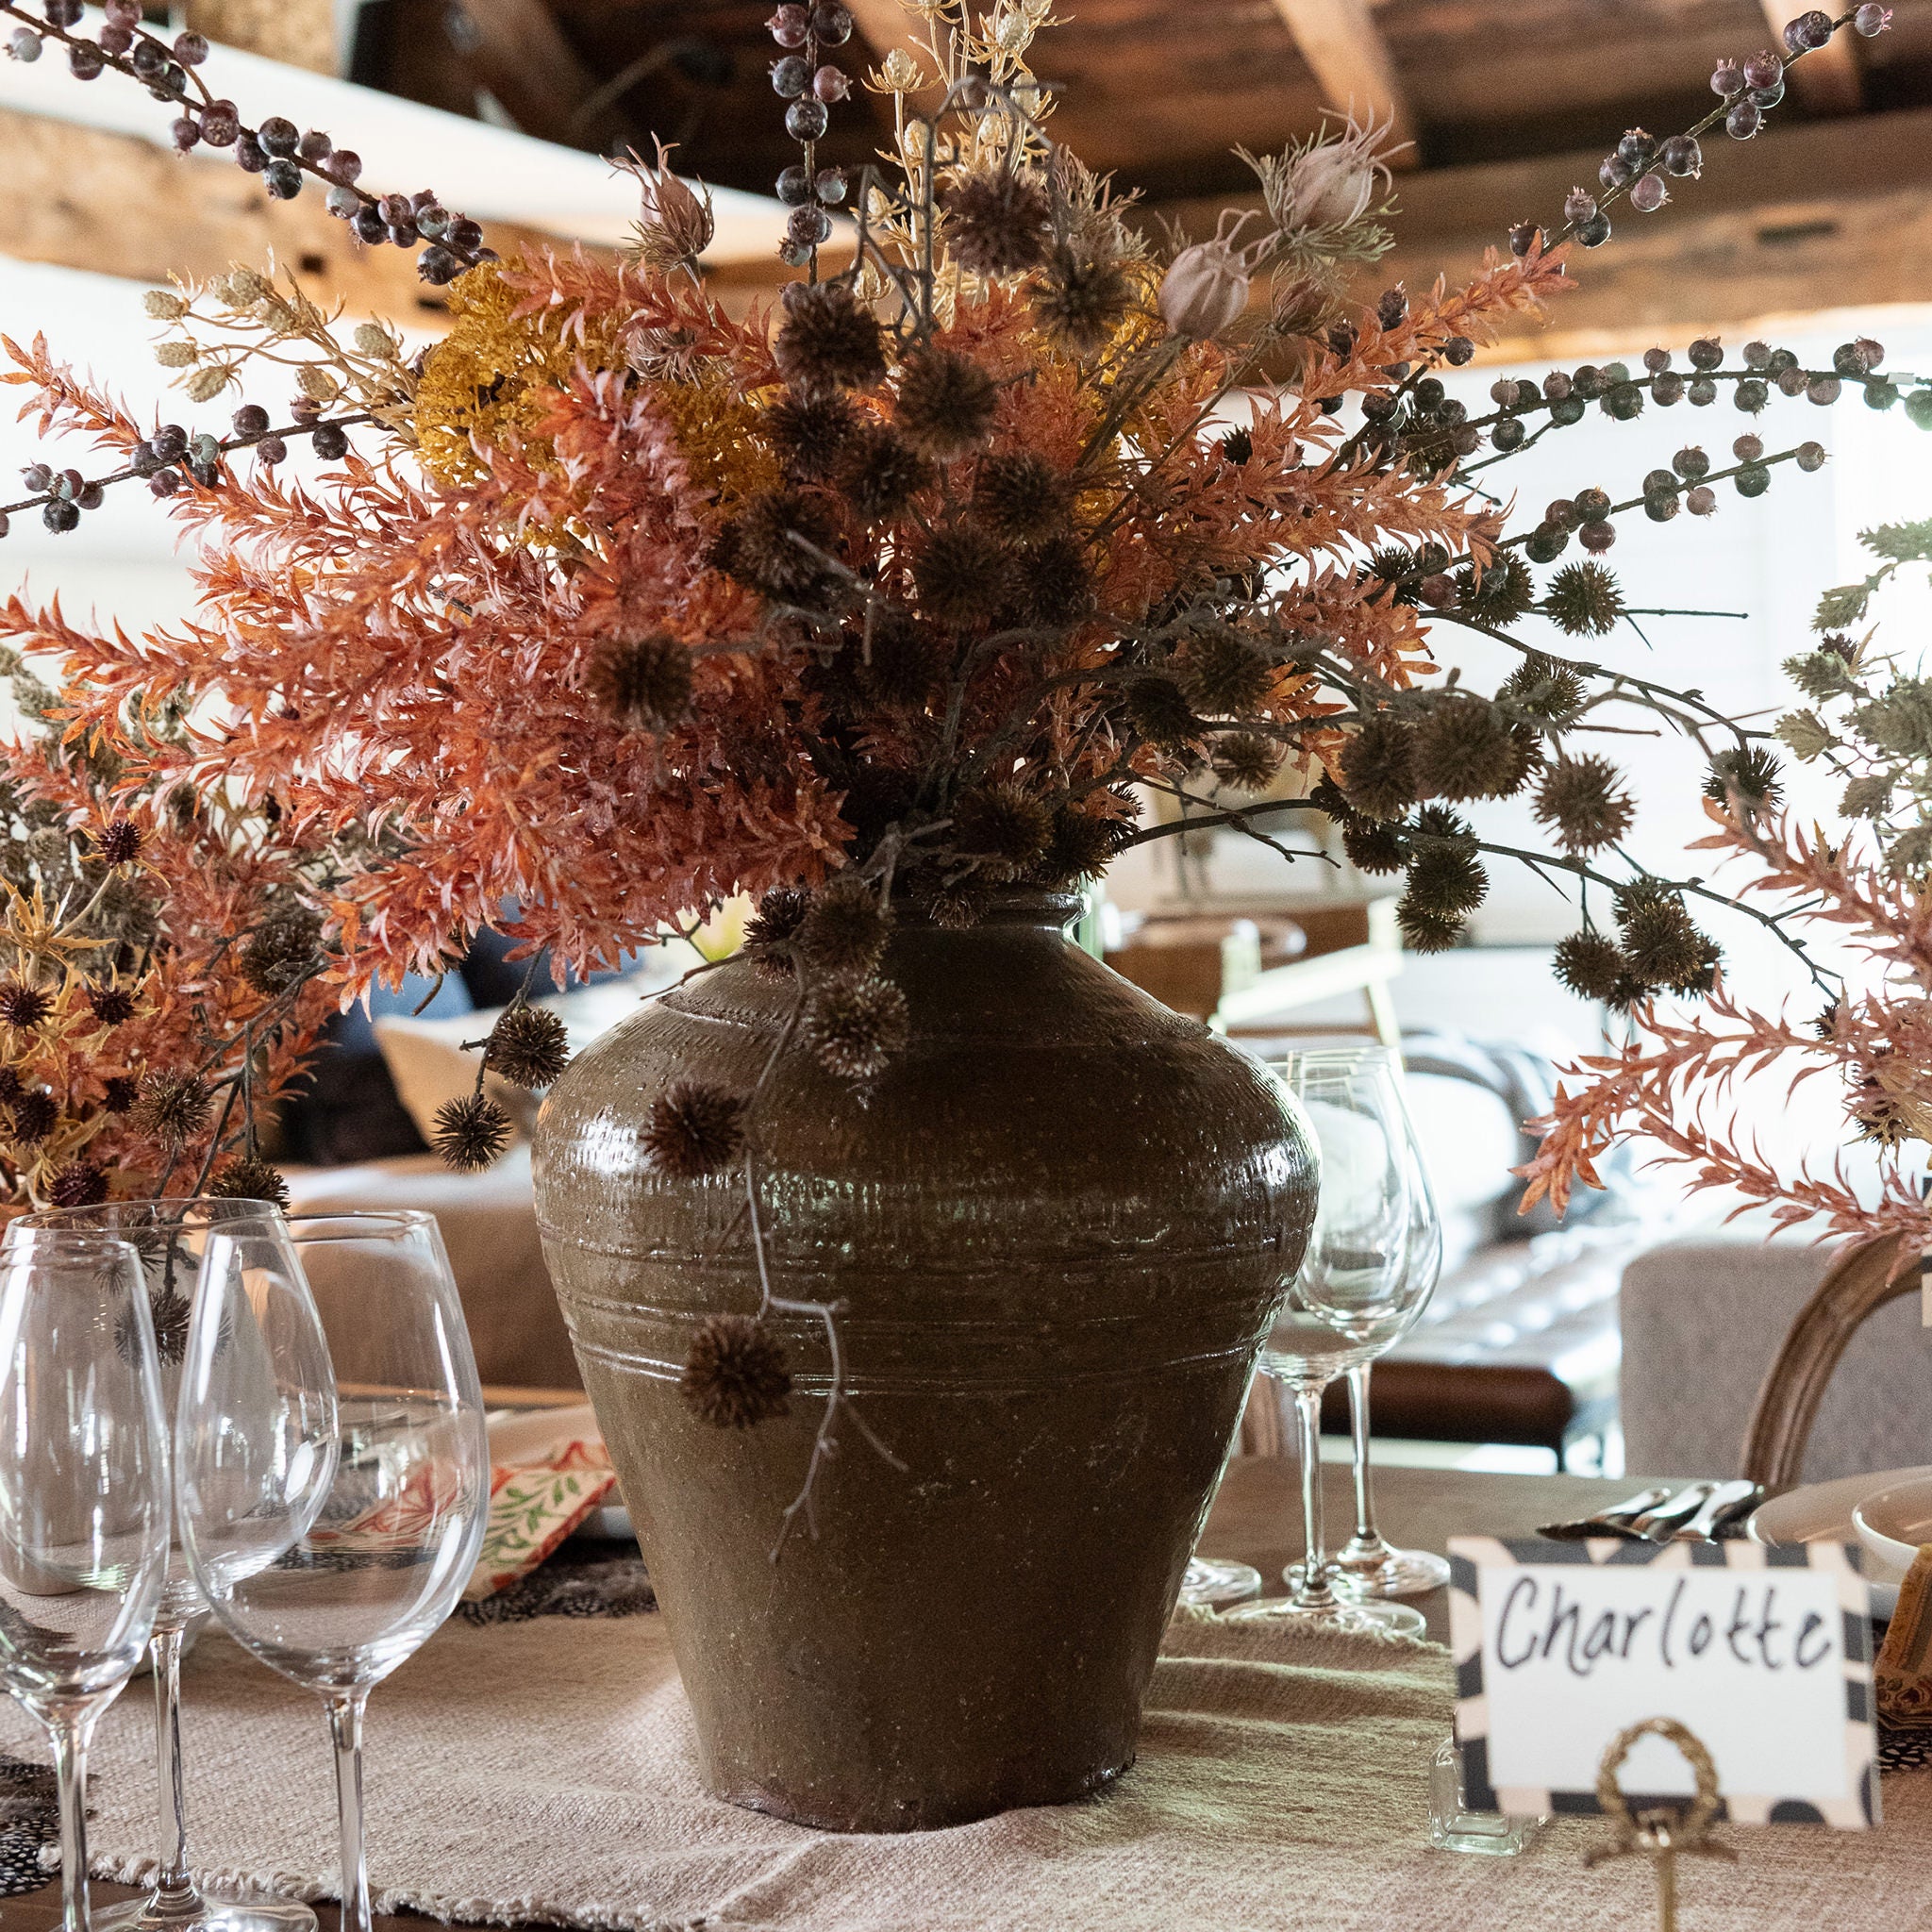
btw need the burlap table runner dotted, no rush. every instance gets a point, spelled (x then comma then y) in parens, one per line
(543, 1769)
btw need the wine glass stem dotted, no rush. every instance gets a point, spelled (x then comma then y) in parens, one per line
(1314, 1592)
(1366, 1535)
(171, 1882)
(71, 1727)
(346, 1710)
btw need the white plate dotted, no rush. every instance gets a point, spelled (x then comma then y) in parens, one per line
(529, 1434)
(1821, 1513)
(1892, 1522)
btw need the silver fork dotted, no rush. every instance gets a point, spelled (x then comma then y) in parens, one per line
(1615, 1521)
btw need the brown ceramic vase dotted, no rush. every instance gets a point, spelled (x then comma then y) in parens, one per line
(1057, 1225)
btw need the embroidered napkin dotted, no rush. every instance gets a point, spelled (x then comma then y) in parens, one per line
(534, 1504)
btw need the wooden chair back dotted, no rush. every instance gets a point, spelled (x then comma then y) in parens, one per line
(1865, 1276)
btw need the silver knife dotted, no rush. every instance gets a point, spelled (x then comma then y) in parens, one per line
(1612, 1522)
(1725, 1502)
(1660, 1525)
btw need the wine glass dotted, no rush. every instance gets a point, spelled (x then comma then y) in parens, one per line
(170, 1236)
(1369, 1564)
(83, 1501)
(1353, 1294)
(332, 1526)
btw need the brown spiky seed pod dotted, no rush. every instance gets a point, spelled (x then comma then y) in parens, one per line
(1500, 594)
(1544, 691)
(781, 913)
(112, 1006)
(1081, 298)
(1582, 801)
(1224, 673)
(1246, 761)
(118, 842)
(24, 1004)
(469, 1133)
(966, 576)
(281, 952)
(810, 432)
(1378, 768)
(845, 931)
(1372, 848)
(82, 1183)
(118, 1093)
(640, 683)
(957, 909)
(879, 473)
(1661, 943)
(827, 340)
(1591, 964)
(249, 1177)
(1002, 822)
(1427, 932)
(1055, 582)
(529, 1046)
(1445, 881)
(763, 551)
(1752, 775)
(1020, 496)
(995, 221)
(1583, 601)
(734, 1375)
(947, 403)
(172, 1108)
(692, 1130)
(1464, 749)
(35, 1115)
(1082, 847)
(855, 1029)
(1158, 711)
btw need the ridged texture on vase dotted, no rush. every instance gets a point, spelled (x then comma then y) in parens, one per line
(1059, 1225)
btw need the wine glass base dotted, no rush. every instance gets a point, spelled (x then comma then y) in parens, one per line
(1348, 1619)
(199, 1913)
(1214, 1581)
(1401, 1572)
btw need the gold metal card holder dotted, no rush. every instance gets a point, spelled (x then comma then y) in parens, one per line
(1662, 1830)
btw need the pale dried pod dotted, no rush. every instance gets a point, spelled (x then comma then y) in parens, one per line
(1204, 290)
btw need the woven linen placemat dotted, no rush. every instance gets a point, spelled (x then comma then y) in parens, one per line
(539, 1767)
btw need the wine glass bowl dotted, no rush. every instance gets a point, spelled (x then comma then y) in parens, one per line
(333, 1523)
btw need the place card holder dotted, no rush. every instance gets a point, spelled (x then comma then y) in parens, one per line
(1661, 1830)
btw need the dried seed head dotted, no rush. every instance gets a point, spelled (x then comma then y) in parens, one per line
(112, 1006)
(469, 1133)
(995, 221)
(781, 913)
(1444, 881)
(248, 1178)
(809, 431)
(1223, 673)
(1159, 713)
(854, 1029)
(1591, 964)
(82, 1183)
(1019, 497)
(762, 548)
(172, 1108)
(24, 1004)
(946, 404)
(879, 473)
(965, 576)
(1246, 761)
(1659, 941)
(1082, 846)
(1464, 749)
(1378, 768)
(1546, 691)
(692, 1130)
(734, 1375)
(1583, 600)
(1583, 801)
(1372, 848)
(529, 1046)
(281, 952)
(1499, 594)
(1081, 298)
(844, 932)
(1752, 775)
(118, 842)
(1004, 823)
(1056, 583)
(827, 340)
(1423, 931)
(641, 683)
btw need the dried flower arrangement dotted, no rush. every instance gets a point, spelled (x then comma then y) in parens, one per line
(616, 604)
(1674, 1084)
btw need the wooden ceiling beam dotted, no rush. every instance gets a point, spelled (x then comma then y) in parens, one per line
(120, 206)
(516, 49)
(1350, 60)
(886, 27)
(1827, 80)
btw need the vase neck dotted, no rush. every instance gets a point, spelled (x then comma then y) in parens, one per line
(1032, 905)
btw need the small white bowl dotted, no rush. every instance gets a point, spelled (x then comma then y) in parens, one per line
(1892, 1522)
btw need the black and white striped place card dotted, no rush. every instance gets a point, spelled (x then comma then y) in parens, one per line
(1763, 1652)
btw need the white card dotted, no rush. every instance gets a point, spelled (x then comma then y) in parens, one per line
(1764, 1654)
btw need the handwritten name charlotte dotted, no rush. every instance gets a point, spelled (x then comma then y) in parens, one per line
(1542, 1624)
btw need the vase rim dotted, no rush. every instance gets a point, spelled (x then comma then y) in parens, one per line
(1039, 906)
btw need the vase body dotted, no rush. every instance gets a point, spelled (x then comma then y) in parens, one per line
(1057, 1229)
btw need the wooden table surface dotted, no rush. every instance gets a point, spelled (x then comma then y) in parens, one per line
(1257, 1519)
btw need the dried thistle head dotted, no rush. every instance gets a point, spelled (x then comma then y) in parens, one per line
(1224, 673)
(776, 543)
(1583, 802)
(1081, 297)
(527, 1047)
(1157, 710)
(24, 1004)
(36, 1114)
(995, 221)
(640, 683)
(1750, 774)
(879, 473)
(1464, 749)
(692, 1129)
(281, 952)
(775, 924)
(1055, 582)
(857, 1027)
(1373, 847)
(112, 1006)
(965, 576)
(471, 1133)
(1591, 964)
(1445, 881)
(827, 340)
(946, 405)
(1083, 845)
(1004, 825)
(80, 1183)
(676, 224)
(1583, 601)
(1246, 761)
(810, 430)
(172, 1106)
(248, 1178)
(1378, 767)
(843, 933)
(1020, 496)
(118, 842)
(735, 1375)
